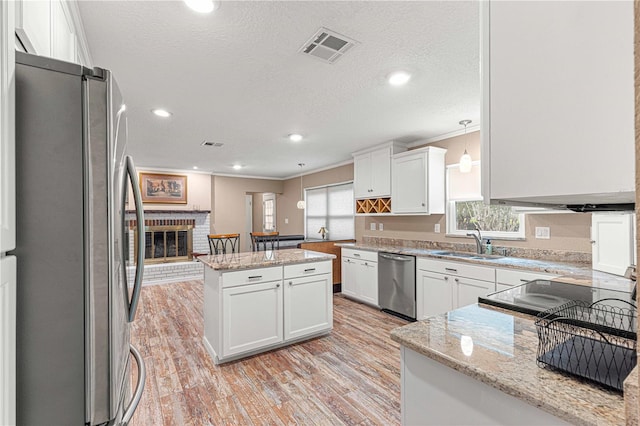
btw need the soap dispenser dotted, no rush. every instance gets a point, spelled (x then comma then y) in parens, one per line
(489, 248)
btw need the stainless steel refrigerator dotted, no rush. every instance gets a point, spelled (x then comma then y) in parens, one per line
(74, 305)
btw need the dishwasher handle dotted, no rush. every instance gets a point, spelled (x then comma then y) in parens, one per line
(396, 257)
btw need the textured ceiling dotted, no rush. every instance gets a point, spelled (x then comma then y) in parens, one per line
(235, 76)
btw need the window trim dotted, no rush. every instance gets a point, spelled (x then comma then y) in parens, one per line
(450, 218)
(353, 216)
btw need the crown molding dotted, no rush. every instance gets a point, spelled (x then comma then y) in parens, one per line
(444, 136)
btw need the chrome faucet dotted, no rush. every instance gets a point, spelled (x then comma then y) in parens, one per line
(478, 239)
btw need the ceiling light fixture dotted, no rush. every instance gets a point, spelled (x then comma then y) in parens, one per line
(201, 6)
(465, 160)
(161, 112)
(399, 78)
(295, 137)
(237, 167)
(195, 167)
(301, 204)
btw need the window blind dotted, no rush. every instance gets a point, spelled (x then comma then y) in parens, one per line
(332, 207)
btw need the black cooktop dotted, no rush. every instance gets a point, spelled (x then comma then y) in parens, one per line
(539, 295)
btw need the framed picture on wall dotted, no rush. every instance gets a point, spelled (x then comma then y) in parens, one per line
(163, 188)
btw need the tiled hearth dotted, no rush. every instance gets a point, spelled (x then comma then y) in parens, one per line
(162, 273)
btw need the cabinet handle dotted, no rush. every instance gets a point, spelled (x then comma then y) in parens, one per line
(290, 283)
(457, 280)
(255, 277)
(310, 270)
(446, 278)
(422, 204)
(451, 270)
(524, 281)
(277, 285)
(356, 255)
(366, 264)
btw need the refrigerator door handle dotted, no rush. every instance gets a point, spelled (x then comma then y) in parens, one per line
(137, 282)
(142, 375)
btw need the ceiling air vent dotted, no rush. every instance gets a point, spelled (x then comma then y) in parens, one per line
(327, 45)
(213, 144)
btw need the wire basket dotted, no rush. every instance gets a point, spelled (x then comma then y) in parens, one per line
(595, 341)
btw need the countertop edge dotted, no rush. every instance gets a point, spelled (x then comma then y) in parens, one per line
(260, 260)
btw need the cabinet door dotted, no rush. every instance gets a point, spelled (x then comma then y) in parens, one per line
(252, 317)
(545, 51)
(409, 184)
(63, 39)
(308, 306)
(433, 294)
(368, 282)
(362, 176)
(7, 129)
(381, 173)
(612, 236)
(33, 26)
(349, 277)
(468, 290)
(8, 340)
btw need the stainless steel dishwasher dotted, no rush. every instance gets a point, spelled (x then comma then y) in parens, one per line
(397, 284)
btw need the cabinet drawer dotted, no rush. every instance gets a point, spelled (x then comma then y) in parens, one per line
(304, 269)
(251, 276)
(516, 277)
(457, 269)
(371, 256)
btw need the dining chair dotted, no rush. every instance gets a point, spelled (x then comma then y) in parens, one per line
(224, 243)
(266, 240)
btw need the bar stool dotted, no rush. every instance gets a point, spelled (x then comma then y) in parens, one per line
(224, 243)
(268, 240)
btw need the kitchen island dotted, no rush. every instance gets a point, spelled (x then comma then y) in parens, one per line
(258, 301)
(477, 365)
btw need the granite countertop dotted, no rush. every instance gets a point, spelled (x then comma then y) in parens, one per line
(501, 349)
(578, 273)
(260, 259)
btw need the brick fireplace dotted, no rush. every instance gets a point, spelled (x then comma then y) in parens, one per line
(170, 239)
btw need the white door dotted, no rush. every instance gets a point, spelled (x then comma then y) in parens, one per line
(349, 277)
(381, 173)
(33, 25)
(251, 317)
(8, 340)
(409, 184)
(362, 176)
(368, 282)
(63, 40)
(434, 294)
(307, 305)
(613, 242)
(248, 221)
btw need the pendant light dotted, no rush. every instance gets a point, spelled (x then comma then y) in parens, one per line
(301, 204)
(465, 160)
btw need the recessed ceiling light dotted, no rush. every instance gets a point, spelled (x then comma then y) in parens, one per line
(237, 167)
(295, 137)
(195, 167)
(201, 6)
(161, 112)
(399, 78)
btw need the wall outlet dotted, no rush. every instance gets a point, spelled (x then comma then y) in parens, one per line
(436, 228)
(373, 226)
(380, 227)
(286, 220)
(543, 232)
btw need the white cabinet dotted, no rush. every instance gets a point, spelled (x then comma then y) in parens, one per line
(8, 340)
(308, 305)
(7, 129)
(418, 181)
(360, 275)
(613, 242)
(372, 171)
(251, 317)
(443, 286)
(506, 278)
(46, 28)
(63, 38)
(556, 84)
(33, 26)
(253, 310)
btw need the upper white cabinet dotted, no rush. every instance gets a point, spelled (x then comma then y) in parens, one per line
(372, 171)
(46, 28)
(613, 242)
(418, 181)
(558, 101)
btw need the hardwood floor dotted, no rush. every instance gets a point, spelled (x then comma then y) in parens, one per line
(351, 376)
